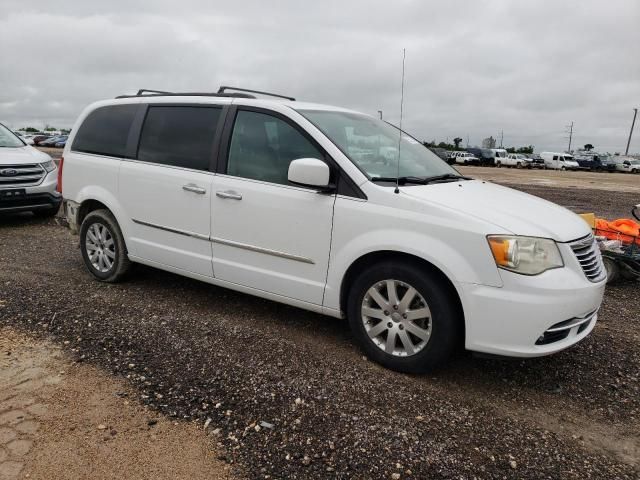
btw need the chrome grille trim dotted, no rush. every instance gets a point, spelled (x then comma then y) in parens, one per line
(21, 175)
(588, 255)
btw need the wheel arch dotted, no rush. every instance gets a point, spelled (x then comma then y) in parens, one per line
(361, 263)
(91, 199)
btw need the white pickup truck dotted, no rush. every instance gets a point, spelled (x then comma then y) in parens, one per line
(517, 160)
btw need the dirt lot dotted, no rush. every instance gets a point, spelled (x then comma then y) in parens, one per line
(613, 182)
(67, 420)
(195, 352)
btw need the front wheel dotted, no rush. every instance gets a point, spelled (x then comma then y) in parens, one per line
(499, 164)
(103, 248)
(403, 318)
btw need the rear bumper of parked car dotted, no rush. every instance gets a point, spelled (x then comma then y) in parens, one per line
(39, 197)
(531, 316)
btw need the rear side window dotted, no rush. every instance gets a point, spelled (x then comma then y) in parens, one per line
(179, 136)
(105, 131)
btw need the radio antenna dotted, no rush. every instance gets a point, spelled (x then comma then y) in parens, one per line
(397, 190)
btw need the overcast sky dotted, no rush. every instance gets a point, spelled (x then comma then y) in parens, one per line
(473, 68)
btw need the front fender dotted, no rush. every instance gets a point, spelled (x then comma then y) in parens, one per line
(457, 249)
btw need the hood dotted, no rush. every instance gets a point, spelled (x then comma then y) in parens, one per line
(26, 154)
(508, 209)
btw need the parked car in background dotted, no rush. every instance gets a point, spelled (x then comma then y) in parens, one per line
(595, 162)
(40, 138)
(517, 160)
(25, 138)
(485, 155)
(559, 161)
(464, 158)
(50, 142)
(498, 155)
(62, 141)
(626, 164)
(536, 161)
(28, 178)
(441, 152)
(448, 262)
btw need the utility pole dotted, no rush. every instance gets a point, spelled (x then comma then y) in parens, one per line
(635, 112)
(570, 127)
(467, 140)
(380, 112)
(501, 137)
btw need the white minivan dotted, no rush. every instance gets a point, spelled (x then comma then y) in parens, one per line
(559, 161)
(293, 202)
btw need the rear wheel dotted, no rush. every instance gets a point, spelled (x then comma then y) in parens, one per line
(103, 248)
(402, 318)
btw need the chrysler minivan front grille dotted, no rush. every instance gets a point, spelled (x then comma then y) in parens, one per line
(588, 255)
(22, 175)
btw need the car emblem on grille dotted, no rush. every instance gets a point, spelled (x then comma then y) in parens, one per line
(8, 172)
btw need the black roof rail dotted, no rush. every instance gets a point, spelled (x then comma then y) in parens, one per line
(158, 93)
(224, 87)
(145, 92)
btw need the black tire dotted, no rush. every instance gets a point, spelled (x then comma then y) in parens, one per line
(46, 212)
(120, 264)
(499, 164)
(612, 268)
(445, 320)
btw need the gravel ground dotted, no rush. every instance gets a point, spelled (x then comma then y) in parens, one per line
(289, 396)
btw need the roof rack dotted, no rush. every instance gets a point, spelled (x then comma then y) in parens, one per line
(223, 88)
(239, 93)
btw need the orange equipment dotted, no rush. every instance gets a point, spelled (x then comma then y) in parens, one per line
(623, 229)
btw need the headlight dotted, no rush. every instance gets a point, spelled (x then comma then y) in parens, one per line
(49, 166)
(525, 255)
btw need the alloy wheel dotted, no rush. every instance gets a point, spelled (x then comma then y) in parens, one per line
(396, 317)
(101, 248)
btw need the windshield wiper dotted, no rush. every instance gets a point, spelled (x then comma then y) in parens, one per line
(447, 177)
(400, 180)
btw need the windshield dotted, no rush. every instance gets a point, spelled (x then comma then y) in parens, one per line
(8, 138)
(372, 145)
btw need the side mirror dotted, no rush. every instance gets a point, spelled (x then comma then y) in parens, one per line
(310, 172)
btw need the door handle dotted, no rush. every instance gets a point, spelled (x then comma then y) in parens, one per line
(229, 194)
(194, 189)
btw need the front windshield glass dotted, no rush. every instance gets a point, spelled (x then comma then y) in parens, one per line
(372, 145)
(8, 139)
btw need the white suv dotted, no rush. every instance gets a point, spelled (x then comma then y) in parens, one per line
(301, 204)
(28, 178)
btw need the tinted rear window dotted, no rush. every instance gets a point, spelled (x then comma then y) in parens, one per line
(179, 136)
(105, 131)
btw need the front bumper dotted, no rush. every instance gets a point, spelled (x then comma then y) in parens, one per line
(30, 202)
(531, 316)
(37, 197)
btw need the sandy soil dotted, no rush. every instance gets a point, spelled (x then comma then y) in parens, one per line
(613, 182)
(66, 420)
